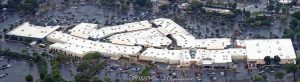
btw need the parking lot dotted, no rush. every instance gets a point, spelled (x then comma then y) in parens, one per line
(124, 71)
(17, 71)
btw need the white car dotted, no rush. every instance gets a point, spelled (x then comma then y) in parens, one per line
(121, 69)
(3, 75)
(261, 72)
(173, 73)
(199, 79)
(222, 73)
(214, 78)
(8, 65)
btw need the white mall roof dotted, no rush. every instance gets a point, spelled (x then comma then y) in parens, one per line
(156, 41)
(167, 26)
(84, 32)
(182, 37)
(237, 52)
(207, 56)
(82, 26)
(149, 37)
(28, 30)
(59, 37)
(163, 54)
(240, 43)
(71, 48)
(184, 41)
(82, 29)
(215, 56)
(208, 51)
(186, 57)
(138, 34)
(212, 43)
(285, 1)
(259, 48)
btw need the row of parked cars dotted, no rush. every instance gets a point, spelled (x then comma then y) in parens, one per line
(3, 67)
(128, 67)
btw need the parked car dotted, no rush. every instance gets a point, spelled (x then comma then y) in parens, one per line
(213, 78)
(136, 69)
(261, 72)
(3, 75)
(113, 67)
(5, 66)
(222, 73)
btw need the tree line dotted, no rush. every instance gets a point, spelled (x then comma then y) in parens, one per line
(27, 6)
(294, 27)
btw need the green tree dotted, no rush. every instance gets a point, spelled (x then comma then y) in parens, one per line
(48, 78)
(41, 63)
(81, 78)
(146, 72)
(109, 3)
(277, 59)
(270, 7)
(83, 66)
(292, 68)
(279, 75)
(30, 65)
(117, 80)
(129, 81)
(298, 60)
(195, 6)
(107, 79)
(1, 36)
(143, 4)
(267, 60)
(44, 54)
(12, 4)
(236, 11)
(233, 5)
(259, 21)
(1, 7)
(62, 58)
(298, 34)
(92, 55)
(24, 51)
(277, 8)
(124, 8)
(288, 33)
(55, 71)
(29, 78)
(259, 78)
(164, 7)
(96, 79)
(247, 13)
(297, 29)
(30, 6)
(296, 15)
(293, 23)
(285, 9)
(173, 1)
